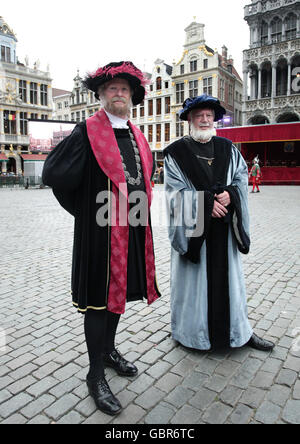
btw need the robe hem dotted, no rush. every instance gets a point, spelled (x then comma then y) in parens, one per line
(90, 307)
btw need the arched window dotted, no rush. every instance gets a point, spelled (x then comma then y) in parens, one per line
(264, 33)
(158, 83)
(291, 26)
(193, 65)
(276, 30)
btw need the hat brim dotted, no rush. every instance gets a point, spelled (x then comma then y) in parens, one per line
(210, 104)
(138, 91)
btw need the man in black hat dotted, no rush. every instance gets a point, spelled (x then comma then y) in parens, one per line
(93, 173)
(207, 175)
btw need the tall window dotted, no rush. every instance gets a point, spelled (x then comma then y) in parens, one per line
(150, 133)
(134, 112)
(230, 95)
(181, 69)
(44, 95)
(23, 124)
(142, 109)
(150, 107)
(179, 92)
(179, 127)
(207, 86)
(276, 30)
(193, 65)
(10, 126)
(264, 33)
(167, 132)
(158, 132)
(291, 27)
(23, 90)
(205, 63)
(33, 93)
(167, 105)
(158, 107)
(193, 88)
(222, 90)
(158, 84)
(5, 54)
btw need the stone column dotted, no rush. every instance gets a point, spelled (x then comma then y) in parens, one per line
(39, 94)
(1, 122)
(28, 91)
(245, 85)
(289, 79)
(18, 128)
(259, 83)
(274, 73)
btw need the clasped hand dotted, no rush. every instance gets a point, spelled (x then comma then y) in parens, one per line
(221, 202)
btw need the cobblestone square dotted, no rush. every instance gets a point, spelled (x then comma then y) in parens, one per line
(43, 358)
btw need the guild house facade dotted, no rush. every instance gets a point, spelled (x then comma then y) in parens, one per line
(25, 93)
(271, 66)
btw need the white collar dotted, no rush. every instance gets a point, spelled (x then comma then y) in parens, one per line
(117, 122)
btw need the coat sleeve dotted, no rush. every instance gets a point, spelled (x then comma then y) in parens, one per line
(238, 190)
(64, 166)
(186, 211)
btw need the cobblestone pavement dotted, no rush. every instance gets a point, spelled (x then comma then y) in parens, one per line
(43, 359)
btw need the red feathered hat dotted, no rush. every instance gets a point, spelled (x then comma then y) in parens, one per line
(123, 70)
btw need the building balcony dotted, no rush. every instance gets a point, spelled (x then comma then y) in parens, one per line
(262, 6)
(25, 70)
(271, 50)
(14, 139)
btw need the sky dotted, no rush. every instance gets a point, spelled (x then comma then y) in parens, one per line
(76, 35)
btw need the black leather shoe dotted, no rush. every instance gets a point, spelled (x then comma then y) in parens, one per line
(260, 344)
(118, 363)
(103, 397)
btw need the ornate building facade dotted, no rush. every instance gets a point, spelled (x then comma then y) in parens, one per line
(25, 93)
(200, 70)
(271, 66)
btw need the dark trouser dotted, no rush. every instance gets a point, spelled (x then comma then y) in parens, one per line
(100, 330)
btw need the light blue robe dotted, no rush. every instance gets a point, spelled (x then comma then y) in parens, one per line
(189, 305)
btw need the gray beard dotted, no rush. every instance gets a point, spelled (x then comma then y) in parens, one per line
(202, 136)
(122, 113)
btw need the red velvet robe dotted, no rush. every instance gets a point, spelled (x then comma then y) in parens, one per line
(84, 164)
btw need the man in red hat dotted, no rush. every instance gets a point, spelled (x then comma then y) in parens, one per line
(208, 176)
(93, 173)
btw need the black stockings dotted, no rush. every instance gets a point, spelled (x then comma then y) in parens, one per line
(100, 330)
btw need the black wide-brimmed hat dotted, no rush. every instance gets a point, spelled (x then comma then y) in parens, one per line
(123, 70)
(203, 101)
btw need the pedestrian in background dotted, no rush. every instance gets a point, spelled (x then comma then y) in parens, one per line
(255, 175)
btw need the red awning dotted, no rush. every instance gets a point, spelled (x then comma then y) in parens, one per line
(34, 156)
(279, 132)
(3, 157)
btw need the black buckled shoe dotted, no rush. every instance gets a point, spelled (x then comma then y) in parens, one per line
(119, 364)
(103, 397)
(260, 344)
